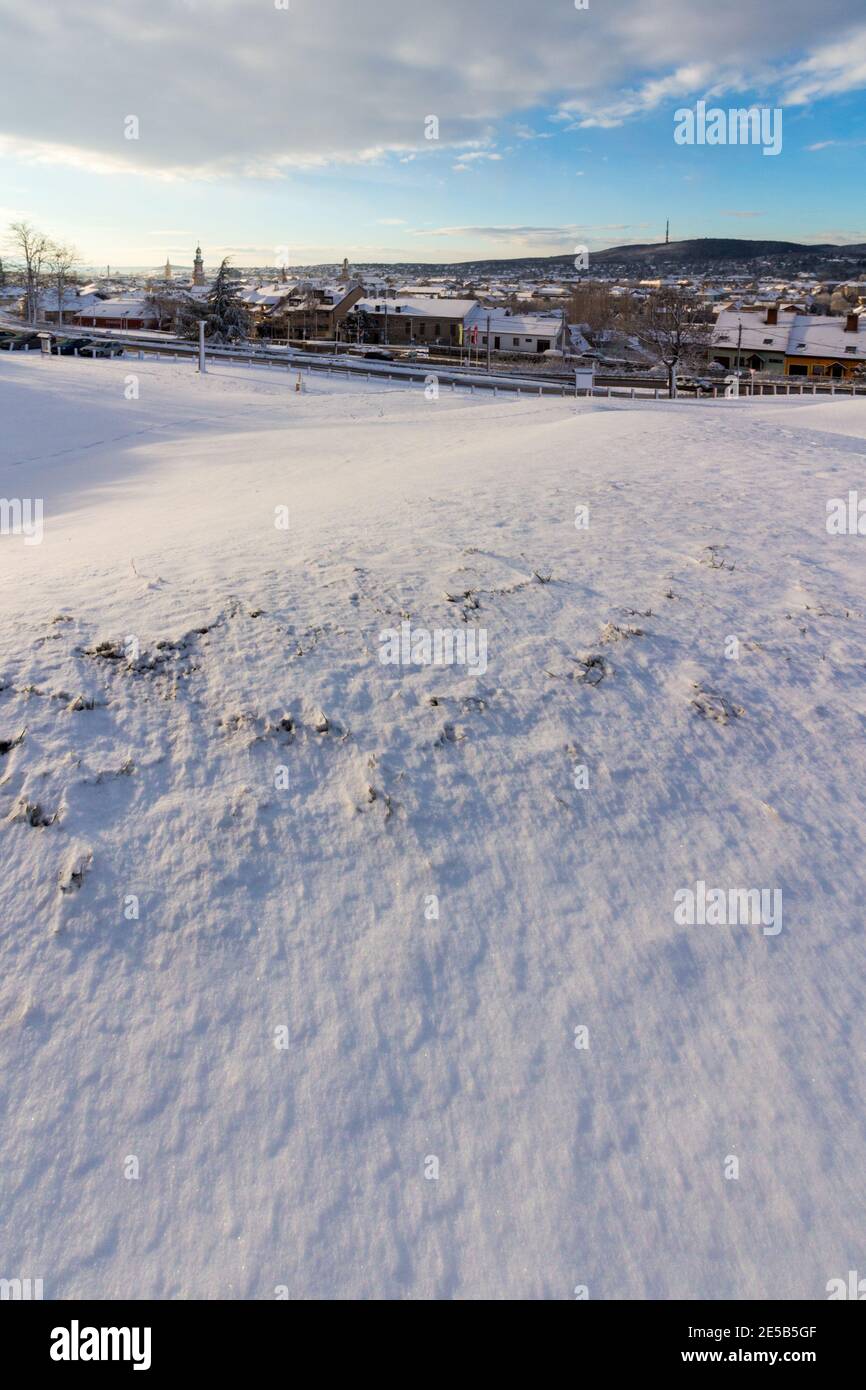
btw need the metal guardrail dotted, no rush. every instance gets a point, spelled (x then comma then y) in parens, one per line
(606, 387)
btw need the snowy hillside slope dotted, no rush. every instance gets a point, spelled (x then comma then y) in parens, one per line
(196, 720)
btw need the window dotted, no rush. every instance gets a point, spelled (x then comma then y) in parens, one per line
(515, 342)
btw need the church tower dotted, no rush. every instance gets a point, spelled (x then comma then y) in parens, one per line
(198, 268)
(345, 277)
(167, 271)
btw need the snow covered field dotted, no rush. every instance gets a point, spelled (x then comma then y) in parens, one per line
(224, 821)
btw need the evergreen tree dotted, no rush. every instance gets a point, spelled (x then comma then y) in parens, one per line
(225, 317)
(357, 326)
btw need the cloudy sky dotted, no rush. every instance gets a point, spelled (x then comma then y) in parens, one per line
(298, 129)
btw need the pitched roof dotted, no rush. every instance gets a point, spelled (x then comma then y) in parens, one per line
(420, 308)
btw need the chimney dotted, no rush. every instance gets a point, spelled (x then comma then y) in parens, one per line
(852, 323)
(772, 314)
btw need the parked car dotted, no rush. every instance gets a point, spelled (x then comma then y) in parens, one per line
(102, 349)
(67, 347)
(20, 341)
(379, 355)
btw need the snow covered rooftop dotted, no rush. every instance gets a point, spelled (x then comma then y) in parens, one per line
(818, 335)
(118, 308)
(797, 334)
(420, 308)
(528, 325)
(757, 334)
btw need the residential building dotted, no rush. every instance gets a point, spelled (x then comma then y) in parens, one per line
(786, 341)
(753, 338)
(824, 346)
(521, 334)
(117, 313)
(431, 322)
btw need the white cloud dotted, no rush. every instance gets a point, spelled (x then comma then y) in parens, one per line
(519, 239)
(834, 68)
(237, 88)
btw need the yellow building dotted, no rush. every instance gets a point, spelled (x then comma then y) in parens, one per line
(827, 347)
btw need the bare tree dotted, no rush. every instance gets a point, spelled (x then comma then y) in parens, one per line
(596, 306)
(673, 328)
(168, 307)
(32, 248)
(60, 262)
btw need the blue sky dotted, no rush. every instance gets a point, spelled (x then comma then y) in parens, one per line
(300, 133)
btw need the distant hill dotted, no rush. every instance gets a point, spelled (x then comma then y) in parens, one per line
(709, 253)
(699, 251)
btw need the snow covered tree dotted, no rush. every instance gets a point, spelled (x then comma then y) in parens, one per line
(225, 317)
(60, 262)
(32, 248)
(357, 326)
(674, 329)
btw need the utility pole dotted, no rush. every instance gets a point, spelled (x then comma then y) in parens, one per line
(739, 341)
(488, 342)
(202, 365)
(386, 316)
(668, 232)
